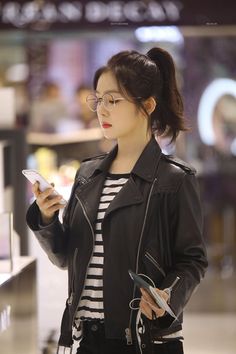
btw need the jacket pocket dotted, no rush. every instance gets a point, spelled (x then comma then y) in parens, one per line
(154, 262)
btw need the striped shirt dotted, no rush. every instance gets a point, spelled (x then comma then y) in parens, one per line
(91, 302)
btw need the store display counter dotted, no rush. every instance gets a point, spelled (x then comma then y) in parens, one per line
(79, 136)
(18, 308)
(68, 146)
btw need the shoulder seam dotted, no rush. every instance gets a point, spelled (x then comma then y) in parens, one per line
(180, 163)
(96, 157)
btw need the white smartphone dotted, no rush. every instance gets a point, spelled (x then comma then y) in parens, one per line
(34, 176)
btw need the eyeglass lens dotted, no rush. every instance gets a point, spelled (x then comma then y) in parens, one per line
(107, 100)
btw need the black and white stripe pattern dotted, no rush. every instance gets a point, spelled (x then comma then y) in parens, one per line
(91, 303)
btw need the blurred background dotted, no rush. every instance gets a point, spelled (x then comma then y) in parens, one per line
(49, 52)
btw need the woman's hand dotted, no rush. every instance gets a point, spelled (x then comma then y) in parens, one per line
(148, 305)
(48, 204)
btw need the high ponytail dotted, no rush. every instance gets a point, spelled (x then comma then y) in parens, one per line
(151, 75)
(168, 115)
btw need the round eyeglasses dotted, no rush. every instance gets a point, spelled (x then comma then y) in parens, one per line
(108, 101)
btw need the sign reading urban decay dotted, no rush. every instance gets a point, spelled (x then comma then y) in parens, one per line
(43, 15)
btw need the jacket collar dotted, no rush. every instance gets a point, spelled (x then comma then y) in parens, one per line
(146, 165)
(130, 194)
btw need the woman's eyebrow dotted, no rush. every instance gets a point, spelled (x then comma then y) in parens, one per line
(109, 91)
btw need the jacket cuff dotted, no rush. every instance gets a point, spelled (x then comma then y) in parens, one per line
(33, 218)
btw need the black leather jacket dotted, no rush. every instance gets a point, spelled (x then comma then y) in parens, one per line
(153, 226)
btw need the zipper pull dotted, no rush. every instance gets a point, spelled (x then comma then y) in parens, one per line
(70, 299)
(174, 282)
(170, 288)
(128, 336)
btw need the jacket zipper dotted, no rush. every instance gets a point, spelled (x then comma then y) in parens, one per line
(128, 333)
(91, 228)
(69, 301)
(155, 263)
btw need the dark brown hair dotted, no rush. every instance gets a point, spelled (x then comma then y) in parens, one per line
(150, 75)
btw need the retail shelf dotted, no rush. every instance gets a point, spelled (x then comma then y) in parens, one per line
(65, 138)
(19, 263)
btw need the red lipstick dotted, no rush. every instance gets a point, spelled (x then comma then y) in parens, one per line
(106, 125)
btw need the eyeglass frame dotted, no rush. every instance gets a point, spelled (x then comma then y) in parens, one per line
(102, 100)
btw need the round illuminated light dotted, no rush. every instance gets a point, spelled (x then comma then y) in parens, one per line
(209, 99)
(170, 34)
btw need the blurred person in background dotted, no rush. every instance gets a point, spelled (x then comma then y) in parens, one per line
(86, 118)
(22, 105)
(80, 109)
(133, 208)
(49, 111)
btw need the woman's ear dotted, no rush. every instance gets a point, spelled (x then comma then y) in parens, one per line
(150, 105)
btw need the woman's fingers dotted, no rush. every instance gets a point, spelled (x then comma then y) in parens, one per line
(50, 202)
(148, 304)
(148, 297)
(46, 201)
(52, 209)
(35, 189)
(45, 197)
(145, 308)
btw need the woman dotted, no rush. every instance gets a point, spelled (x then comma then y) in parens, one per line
(133, 208)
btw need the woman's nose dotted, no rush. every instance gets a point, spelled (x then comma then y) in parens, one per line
(102, 110)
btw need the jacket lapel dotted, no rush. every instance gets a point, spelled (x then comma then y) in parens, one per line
(89, 195)
(145, 168)
(128, 195)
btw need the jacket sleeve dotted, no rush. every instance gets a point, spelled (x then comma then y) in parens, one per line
(53, 238)
(189, 260)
